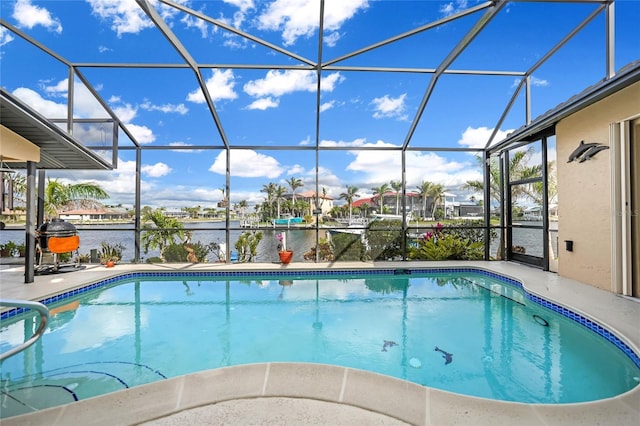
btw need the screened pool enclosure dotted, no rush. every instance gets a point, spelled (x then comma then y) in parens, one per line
(362, 130)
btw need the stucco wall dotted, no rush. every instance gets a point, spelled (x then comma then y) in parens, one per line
(584, 189)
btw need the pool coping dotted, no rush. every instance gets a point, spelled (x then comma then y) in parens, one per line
(407, 401)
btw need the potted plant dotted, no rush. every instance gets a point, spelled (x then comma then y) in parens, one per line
(284, 254)
(110, 254)
(7, 249)
(22, 249)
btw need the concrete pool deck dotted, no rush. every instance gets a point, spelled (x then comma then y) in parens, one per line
(294, 393)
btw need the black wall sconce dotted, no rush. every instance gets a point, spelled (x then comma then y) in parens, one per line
(568, 245)
(586, 151)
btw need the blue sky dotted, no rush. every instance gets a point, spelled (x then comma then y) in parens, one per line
(270, 108)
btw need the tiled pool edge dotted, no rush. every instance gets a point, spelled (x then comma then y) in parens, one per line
(592, 325)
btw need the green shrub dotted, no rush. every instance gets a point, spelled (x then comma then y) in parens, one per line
(175, 253)
(447, 247)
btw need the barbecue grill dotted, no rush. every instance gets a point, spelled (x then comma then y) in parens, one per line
(56, 237)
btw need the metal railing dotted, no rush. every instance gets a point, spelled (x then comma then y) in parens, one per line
(44, 319)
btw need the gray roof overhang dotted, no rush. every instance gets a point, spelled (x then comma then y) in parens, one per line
(58, 149)
(625, 77)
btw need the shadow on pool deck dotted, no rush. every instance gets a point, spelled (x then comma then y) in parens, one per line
(295, 393)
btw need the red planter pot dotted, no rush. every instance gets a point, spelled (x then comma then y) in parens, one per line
(285, 256)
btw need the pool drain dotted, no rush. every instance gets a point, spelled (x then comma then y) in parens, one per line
(541, 320)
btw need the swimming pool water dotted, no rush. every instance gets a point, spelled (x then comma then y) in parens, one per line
(462, 332)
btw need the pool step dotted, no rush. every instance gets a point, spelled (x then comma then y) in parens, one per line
(72, 383)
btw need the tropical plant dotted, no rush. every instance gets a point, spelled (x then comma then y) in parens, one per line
(518, 170)
(177, 252)
(349, 196)
(59, 197)
(111, 252)
(247, 245)
(440, 245)
(161, 231)
(325, 252)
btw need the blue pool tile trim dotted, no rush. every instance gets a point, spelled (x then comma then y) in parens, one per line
(586, 322)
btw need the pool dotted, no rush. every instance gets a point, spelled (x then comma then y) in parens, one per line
(465, 331)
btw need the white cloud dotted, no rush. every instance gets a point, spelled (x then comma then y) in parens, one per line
(296, 169)
(125, 112)
(331, 39)
(305, 141)
(220, 86)
(299, 18)
(264, 103)
(156, 170)
(45, 107)
(5, 36)
(388, 107)
(142, 134)
(279, 83)
(179, 143)
(453, 7)
(243, 5)
(192, 22)
(376, 169)
(85, 105)
(354, 143)
(534, 81)
(327, 106)
(538, 82)
(125, 16)
(247, 163)
(28, 16)
(478, 137)
(166, 108)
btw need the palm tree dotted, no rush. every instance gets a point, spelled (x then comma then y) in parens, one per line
(436, 192)
(270, 190)
(59, 197)
(380, 191)
(365, 208)
(162, 232)
(518, 170)
(279, 193)
(242, 205)
(352, 192)
(397, 186)
(294, 183)
(424, 189)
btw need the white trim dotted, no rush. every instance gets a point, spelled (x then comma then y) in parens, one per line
(621, 251)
